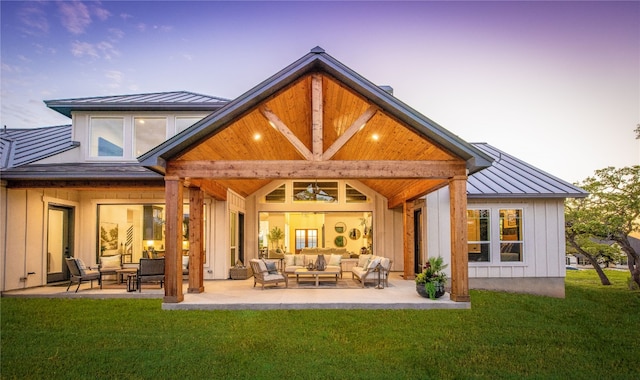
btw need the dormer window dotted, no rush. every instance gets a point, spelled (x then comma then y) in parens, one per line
(107, 137)
(149, 132)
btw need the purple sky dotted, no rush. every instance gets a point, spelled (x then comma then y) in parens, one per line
(556, 84)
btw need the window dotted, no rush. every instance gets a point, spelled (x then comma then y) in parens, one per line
(306, 238)
(354, 196)
(510, 235)
(276, 196)
(136, 231)
(183, 123)
(478, 235)
(495, 235)
(149, 133)
(107, 137)
(326, 192)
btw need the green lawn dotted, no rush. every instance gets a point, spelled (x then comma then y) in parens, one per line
(592, 334)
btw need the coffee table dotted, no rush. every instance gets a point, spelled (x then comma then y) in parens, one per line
(317, 274)
(122, 273)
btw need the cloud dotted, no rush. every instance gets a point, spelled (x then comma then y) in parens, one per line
(116, 34)
(10, 68)
(75, 16)
(34, 19)
(107, 50)
(81, 49)
(100, 12)
(114, 78)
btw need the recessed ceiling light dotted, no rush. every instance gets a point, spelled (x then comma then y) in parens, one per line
(375, 137)
(257, 136)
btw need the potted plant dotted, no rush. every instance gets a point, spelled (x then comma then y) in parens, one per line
(430, 283)
(274, 236)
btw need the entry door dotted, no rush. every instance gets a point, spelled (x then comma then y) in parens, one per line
(59, 243)
(417, 240)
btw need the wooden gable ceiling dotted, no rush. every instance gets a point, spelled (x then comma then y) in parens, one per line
(283, 127)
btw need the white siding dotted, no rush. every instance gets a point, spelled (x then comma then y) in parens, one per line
(544, 248)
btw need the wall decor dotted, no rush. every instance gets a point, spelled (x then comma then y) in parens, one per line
(340, 241)
(354, 234)
(340, 227)
(108, 238)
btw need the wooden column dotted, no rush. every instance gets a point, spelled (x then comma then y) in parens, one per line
(196, 231)
(459, 248)
(173, 240)
(408, 239)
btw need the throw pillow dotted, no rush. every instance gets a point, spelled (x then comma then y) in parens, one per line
(299, 260)
(334, 260)
(271, 267)
(289, 260)
(362, 260)
(110, 262)
(373, 262)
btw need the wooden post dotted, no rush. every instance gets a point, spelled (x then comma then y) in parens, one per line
(173, 240)
(408, 239)
(459, 247)
(196, 230)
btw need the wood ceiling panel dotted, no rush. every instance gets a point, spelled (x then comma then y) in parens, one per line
(293, 107)
(395, 142)
(340, 109)
(244, 187)
(390, 188)
(237, 142)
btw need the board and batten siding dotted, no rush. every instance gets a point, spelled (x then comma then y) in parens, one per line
(543, 269)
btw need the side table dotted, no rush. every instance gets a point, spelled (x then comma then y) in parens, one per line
(132, 282)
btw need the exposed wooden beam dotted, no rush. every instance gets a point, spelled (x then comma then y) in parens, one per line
(271, 169)
(286, 132)
(316, 117)
(348, 134)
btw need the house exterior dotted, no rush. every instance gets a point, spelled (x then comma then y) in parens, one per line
(315, 150)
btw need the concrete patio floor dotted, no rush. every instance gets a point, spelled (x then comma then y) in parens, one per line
(241, 295)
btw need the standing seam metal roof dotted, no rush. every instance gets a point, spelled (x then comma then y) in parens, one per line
(22, 146)
(509, 177)
(157, 100)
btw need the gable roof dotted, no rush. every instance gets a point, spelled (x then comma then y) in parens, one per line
(510, 177)
(315, 61)
(175, 101)
(22, 146)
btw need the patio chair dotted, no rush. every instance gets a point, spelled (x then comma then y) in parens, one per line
(264, 276)
(79, 272)
(109, 265)
(151, 270)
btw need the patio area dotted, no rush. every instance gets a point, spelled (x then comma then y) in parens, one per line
(241, 295)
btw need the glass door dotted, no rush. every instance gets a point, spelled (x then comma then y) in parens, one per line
(59, 242)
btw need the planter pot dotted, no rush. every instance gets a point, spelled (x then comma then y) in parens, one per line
(423, 292)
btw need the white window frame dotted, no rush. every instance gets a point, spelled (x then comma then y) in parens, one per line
(91, 135)
(494, 234)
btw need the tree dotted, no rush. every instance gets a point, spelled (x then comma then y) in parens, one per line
(610, 212)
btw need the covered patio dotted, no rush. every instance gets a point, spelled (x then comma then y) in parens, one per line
(241, 295)
(316, 119)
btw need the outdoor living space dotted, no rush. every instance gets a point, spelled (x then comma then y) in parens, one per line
(241, 295)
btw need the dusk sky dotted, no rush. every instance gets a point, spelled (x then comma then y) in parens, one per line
(556, 84)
